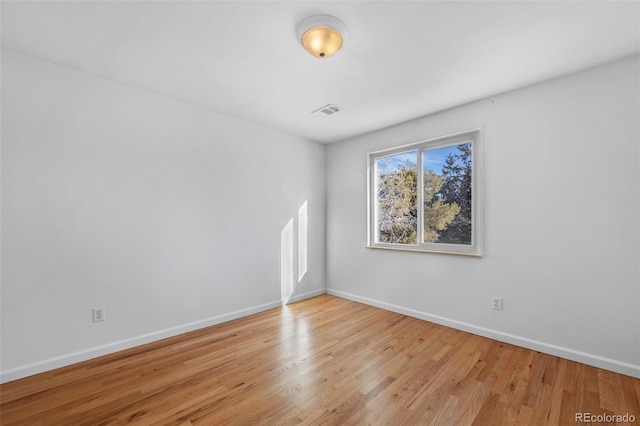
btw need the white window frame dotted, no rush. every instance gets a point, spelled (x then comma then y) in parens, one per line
(477, 187)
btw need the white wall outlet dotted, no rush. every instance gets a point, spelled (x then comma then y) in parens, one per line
(496, 303)
(98, 314)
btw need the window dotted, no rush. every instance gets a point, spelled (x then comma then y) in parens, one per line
(427, 196)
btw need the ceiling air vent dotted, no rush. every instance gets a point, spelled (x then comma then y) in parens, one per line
(328, 109)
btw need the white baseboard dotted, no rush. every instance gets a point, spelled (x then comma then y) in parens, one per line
(90, 353)
(308, 295)
(573, 355)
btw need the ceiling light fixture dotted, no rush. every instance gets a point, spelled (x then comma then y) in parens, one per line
(322, 35)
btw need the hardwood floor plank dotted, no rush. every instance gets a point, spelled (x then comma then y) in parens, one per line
(323, 361)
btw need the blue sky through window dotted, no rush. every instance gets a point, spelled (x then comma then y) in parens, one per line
(433, 159)
(392, 163)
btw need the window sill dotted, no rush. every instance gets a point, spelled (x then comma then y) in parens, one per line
(424, 250)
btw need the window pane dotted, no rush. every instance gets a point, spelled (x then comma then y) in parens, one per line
(397, 193)
(446, 174)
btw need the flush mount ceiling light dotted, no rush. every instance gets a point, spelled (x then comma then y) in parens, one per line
(322, 35)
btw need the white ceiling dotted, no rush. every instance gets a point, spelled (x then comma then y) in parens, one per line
(402, 60)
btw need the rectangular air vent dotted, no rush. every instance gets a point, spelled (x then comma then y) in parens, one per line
(328, 109)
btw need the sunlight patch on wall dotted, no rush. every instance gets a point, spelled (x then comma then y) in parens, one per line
(302, 241)
(286, 262)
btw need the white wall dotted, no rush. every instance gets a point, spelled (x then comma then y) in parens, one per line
(170, 216)
(166, 214)
(562, 222)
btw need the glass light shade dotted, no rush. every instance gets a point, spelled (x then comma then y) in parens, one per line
(322, 41)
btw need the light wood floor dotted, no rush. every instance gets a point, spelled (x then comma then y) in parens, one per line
(321, 361)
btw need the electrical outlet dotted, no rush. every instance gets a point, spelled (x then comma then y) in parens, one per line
(98, 314)
(496, 303)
